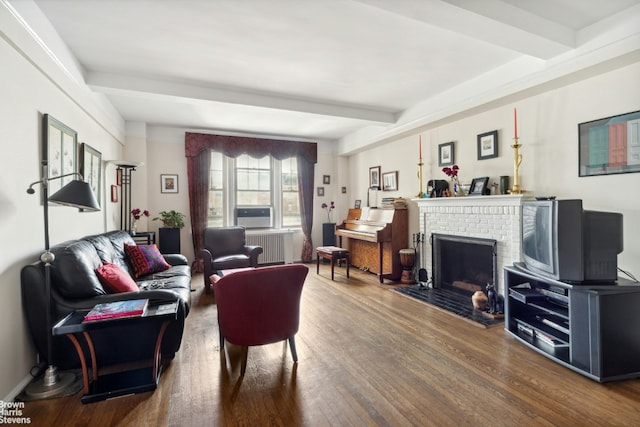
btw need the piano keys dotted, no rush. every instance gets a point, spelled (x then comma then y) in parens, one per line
(374, 238)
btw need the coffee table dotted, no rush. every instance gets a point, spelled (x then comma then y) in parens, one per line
(118, 380)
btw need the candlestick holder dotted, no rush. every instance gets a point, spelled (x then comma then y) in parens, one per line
(517, 159)
(421, 194)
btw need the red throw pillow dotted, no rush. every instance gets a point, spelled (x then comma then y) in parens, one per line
(115, 279)
(145, 259)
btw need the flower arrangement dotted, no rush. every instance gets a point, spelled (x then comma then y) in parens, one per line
(136, 214)
(451, 172)
(329, 208)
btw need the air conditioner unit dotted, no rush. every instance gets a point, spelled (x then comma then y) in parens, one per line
(254, 216)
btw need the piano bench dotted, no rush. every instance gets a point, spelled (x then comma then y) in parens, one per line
(333, 254)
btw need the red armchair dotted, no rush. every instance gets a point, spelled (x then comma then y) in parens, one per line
(260, 306)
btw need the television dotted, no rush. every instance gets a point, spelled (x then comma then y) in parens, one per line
(562, 241)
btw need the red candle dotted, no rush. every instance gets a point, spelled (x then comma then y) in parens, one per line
(420, 136)
(515, 123)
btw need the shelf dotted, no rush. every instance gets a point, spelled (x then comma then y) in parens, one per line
(588, 328)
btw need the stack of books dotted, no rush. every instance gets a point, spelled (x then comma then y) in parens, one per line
(117, 310)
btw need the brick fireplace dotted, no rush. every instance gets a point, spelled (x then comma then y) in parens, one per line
(485, 217)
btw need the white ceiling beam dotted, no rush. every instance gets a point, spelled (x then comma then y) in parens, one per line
(153, 88)
(493, 21)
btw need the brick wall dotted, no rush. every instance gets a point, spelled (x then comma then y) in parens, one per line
(488, 217)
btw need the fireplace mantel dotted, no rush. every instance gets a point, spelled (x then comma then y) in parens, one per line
(492, 217)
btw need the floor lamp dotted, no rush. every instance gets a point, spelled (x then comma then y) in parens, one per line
(76, 193)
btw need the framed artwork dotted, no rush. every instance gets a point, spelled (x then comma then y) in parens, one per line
(374, 177)
(59, 149)
(91, 168)
(320, 191)
(445, 154)
(488, 145)
(344, 190)
(118, 176)
(610, 145)
(114, 193)
(478, 186)
(326, 179)
(168, 183)
(390, 181)
(357, 204)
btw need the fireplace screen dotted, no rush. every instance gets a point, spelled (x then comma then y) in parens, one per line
(464, 264)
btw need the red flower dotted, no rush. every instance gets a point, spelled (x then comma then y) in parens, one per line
(451, 171)
(137, 213)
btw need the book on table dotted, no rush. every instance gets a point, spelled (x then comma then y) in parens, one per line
(117, 309)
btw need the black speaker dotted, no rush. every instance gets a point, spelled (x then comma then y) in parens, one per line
(422, 275)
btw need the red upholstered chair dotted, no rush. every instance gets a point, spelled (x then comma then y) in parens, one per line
(260, 306)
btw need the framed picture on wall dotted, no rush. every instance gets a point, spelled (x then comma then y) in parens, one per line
(488, 145)
(390, 181)
(446, 154)
(326, 179)
(608, 146)
(91, 168)
(168, 183)
(320, 191)
(59, 149)
(374, 176)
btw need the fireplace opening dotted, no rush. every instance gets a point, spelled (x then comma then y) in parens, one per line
(463, 264)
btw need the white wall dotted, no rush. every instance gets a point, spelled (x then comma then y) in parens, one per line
(26, 93)
(547, 127)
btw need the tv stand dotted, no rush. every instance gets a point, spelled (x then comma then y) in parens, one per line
(590, 329)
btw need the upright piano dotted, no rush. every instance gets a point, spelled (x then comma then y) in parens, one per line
(374, 238)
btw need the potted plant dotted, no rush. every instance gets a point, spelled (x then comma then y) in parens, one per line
(169, 234)
(171, 219)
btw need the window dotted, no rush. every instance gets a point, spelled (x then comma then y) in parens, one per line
(253, 182)
(290, 198)
(216, 191)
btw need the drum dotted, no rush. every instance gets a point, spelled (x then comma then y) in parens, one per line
(407, 259)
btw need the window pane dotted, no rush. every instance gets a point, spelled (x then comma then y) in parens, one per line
(290, 197)
(253, 180)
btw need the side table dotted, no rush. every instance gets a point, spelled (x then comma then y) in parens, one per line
(144, 237)
(113, 381)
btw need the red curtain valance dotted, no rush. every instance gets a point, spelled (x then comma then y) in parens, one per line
(233, 146)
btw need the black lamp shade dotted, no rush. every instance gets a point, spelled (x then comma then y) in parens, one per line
(76, 194)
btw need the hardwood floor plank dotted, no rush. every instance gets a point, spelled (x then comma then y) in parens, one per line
(367, 356)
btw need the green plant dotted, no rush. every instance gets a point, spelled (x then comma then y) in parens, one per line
(171, 219)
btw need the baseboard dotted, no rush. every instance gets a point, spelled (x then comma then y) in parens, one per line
(17, 389)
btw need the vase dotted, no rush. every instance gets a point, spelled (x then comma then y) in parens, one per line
(133, 228)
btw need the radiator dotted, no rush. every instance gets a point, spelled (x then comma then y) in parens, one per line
(277, 246)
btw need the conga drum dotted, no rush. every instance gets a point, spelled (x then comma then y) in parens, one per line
(407, 259)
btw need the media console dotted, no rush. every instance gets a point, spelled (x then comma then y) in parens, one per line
(591, 329)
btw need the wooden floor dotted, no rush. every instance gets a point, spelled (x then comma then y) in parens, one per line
(368, 356)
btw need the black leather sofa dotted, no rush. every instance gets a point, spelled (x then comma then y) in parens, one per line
(75, 286)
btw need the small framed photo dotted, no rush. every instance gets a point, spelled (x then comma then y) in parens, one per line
(390, 181)
(445, 154)
(114, 194)
(488, 145)
(326, 179)
(320, 191)
(168, 183)
(374, 177)
(344, 190)
(357, 204)
(478, 186)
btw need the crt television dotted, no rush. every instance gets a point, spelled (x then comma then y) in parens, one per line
(562, 241)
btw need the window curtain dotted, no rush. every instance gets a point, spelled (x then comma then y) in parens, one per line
(305, 184)
(198, 167)
(198, 145)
